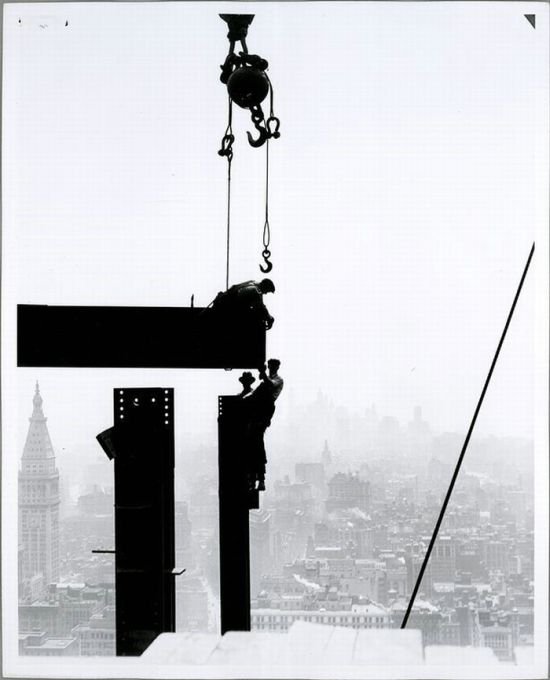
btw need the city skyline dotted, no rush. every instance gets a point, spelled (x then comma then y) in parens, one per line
(71, 451)
(343, 563)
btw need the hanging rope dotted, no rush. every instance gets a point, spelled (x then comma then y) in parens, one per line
(227, 151)
(266, 237)
(228, 222)
(272, 126)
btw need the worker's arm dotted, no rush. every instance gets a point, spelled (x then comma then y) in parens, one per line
(265, 377)
(262, 311)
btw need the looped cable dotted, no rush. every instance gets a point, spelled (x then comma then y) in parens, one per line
(272, 124)
(266, 236)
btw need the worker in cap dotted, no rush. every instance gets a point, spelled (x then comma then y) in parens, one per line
(246, 298)
(246, 380)
(261, 407)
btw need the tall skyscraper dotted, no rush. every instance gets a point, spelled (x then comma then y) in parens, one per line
(39, 501)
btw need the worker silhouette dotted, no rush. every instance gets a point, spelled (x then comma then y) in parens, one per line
(246, 299)
(260, 407)
(246, 380)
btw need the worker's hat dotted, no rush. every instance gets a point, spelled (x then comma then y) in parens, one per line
(247, 378)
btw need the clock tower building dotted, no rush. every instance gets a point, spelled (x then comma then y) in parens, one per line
(39, 501)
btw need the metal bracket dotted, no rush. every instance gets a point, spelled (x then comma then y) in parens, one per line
(177, 572)
(238, 25)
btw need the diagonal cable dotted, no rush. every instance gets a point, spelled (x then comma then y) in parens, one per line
(465, 445)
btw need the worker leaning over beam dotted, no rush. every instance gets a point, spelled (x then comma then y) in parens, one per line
(244, 298)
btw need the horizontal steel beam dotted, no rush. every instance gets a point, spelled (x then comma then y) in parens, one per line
(137, 337)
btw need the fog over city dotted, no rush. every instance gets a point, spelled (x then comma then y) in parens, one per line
(351, 501)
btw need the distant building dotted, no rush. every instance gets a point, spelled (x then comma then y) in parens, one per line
(347, 491)
(326, 456)
(449, 633)
(496, 556)
(355, 616)
(39, 644)
(499, 639)
(260, 548)
(497, 630)
(424, 616)
(347, 529)
(203, 504)
(39, 501)
(441, 567)
(191, 605)
(98, 502)
(297, 495)
(65, 607)
(442, 564)
(368, 580)
(311, 473)
(184, 550)
(98, 636)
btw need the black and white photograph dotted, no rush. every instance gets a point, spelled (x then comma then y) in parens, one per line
(275, 356)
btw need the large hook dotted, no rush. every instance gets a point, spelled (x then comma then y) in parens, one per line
(262, 139)
(266, 254)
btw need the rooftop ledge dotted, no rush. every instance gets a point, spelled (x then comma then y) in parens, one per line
(311, 645)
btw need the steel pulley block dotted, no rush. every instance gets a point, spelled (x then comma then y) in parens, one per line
(248, 86)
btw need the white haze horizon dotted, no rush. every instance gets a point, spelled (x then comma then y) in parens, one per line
(78, 442)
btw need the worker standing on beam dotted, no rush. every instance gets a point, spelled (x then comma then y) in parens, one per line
(261, 405)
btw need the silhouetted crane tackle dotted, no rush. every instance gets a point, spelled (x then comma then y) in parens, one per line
(248, 85)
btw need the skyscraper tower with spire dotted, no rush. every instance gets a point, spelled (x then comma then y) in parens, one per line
(39, 500)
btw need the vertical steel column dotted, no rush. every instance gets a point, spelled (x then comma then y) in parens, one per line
(143, 447)
(234, 504)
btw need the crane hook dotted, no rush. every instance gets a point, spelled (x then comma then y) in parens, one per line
(262, 139)
(266, 254)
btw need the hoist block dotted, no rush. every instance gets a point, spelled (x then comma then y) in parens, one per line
(137, 337)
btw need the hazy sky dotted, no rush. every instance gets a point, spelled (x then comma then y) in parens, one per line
(407, 187)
